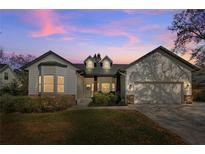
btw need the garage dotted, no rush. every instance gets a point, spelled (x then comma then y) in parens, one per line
(158, 92)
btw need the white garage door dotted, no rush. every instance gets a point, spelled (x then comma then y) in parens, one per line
(162, 93)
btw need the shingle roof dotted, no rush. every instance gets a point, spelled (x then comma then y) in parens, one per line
(43, 56)
(168, 52)
(3, 67)
(108, 58)
(99, 71)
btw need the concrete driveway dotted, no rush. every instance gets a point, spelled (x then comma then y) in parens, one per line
(188, 121)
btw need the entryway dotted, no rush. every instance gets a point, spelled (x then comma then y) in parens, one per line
(83, 102)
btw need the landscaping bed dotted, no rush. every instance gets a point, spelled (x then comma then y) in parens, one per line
(27, 104)
(107, 99)
(102, 126)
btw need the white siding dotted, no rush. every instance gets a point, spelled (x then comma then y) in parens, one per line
(11, 76)
(158, 68)
(80, 87)
(69, 73)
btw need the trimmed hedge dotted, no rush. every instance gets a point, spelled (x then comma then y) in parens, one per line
(27, 104)
(198, 93)
(106, 99)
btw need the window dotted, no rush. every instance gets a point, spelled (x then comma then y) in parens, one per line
(105, 87)
(6, 76)
(106, 64)
(89, 64)
(113, 86)
(48, 83)
(98, 87)
(39, 84)
(60, 87)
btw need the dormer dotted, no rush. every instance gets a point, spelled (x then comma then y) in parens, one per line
(89, 62)
(106, 62)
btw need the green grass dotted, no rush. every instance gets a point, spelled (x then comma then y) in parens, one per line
(93, 126)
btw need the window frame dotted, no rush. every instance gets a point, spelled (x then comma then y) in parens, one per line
(44, 85)
(106, 64)
(39, 83)
(107, 83)
(89, 64)
(113, 85)
(61, 84)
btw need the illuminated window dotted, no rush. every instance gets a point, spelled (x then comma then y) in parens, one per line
(105, 87)
(39, 83)
(98, 87)
(113, 86)
(106, 64)
(89, 64)
(60, 86)
(48, 83)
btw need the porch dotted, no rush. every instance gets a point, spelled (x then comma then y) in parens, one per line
(89, 85)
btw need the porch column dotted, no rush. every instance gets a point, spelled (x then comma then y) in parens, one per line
(42, 81)
(55, 92)
(95, 83)
(118, 84)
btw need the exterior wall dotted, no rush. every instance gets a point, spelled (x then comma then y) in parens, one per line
(90, 92)
(100, 80)
(11, 76)
(80, 86)
(158, 68)
(122, 86)
(70, 76)
(89, 64)
(106, 64)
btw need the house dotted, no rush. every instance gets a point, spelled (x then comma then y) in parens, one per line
(199, 77)
(158, 77)
(6, 75)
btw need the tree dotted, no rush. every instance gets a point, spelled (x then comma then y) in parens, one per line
(190, 28)
(14, 60)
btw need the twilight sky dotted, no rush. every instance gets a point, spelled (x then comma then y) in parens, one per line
(124, 35)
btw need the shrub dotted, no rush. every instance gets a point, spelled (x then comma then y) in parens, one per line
(199, 93)
(13, 88)
(103, 99)
(26, 104)
(100, 99)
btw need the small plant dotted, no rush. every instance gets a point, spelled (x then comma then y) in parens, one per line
(106, 99)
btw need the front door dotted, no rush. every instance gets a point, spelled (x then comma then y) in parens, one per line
(88, 90)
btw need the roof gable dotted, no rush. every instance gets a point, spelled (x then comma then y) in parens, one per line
(108, 58)
(165, 51)
(89, 57)
(45, 55)
(3, 67)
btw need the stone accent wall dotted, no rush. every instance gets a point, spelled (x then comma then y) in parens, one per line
(188, 99)
(130, 99)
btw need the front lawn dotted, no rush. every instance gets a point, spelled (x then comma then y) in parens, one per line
(93, 126)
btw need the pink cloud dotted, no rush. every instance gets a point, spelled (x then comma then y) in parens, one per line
(108, 31)
(187, 56)
(167, 38)
(128, 53)
(47, 22)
